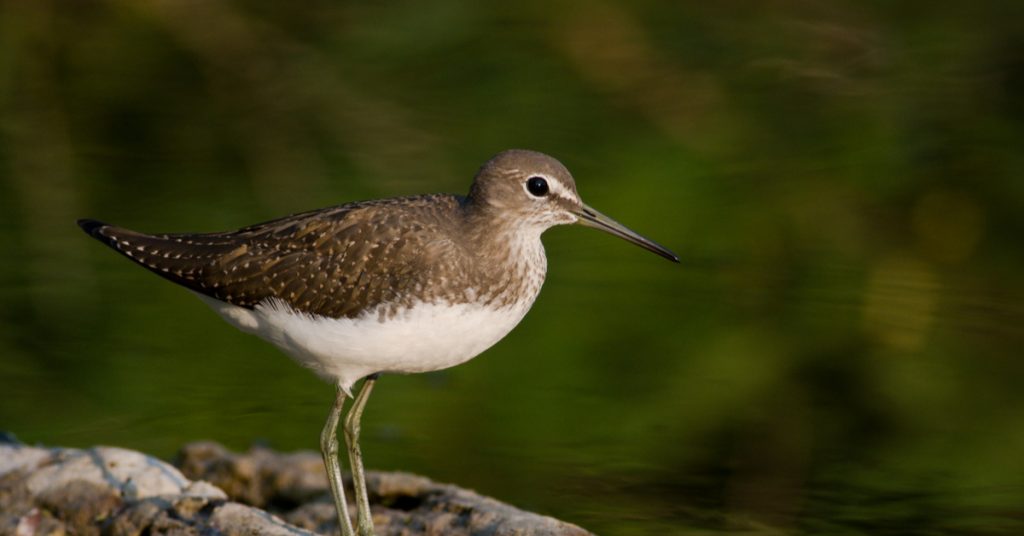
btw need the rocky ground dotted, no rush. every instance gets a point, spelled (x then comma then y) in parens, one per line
(211, 491)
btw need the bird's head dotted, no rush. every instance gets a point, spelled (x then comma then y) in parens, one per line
(532, 190)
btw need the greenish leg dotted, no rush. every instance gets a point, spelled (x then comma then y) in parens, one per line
(329, 451)
(364, 520)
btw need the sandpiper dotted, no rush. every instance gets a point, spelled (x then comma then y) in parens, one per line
(403, 285)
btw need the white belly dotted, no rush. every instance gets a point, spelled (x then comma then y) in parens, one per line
(426, 337)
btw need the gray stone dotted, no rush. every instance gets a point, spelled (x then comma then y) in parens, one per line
(132, 474)
(402, 503)
(119, 492)
(239, 519)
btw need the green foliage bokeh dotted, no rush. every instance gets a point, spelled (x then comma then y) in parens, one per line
(839, 351)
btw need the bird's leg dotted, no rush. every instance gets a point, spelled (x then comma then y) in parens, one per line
(364, 520)
(329, 451)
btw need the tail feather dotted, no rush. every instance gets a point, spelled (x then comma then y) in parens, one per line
(91, 227)
(179, 258)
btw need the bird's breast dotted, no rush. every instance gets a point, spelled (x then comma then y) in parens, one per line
(512, 275)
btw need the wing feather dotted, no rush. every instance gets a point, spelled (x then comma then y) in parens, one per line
(337, 262)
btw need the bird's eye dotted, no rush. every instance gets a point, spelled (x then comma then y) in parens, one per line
(537, 186)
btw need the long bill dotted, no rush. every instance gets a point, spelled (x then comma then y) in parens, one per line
(591, 218)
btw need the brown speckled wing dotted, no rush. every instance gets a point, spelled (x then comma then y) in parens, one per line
(335, 262)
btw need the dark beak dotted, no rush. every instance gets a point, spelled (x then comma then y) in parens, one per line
(592, 218)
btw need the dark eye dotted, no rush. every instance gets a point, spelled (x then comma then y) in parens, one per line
(537, 186)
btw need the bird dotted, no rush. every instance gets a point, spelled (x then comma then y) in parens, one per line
(389, 286)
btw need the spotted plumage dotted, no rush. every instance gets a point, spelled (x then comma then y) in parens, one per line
(336, 262)
(343, 261)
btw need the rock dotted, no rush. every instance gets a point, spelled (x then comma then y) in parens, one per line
(260, 477)
(238, 519)
(119, 492)
(106, 490)
(402, 503)
(128, 473)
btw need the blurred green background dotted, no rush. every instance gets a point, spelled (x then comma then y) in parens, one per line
(839, 351)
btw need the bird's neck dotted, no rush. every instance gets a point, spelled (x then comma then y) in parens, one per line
(509, 255)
